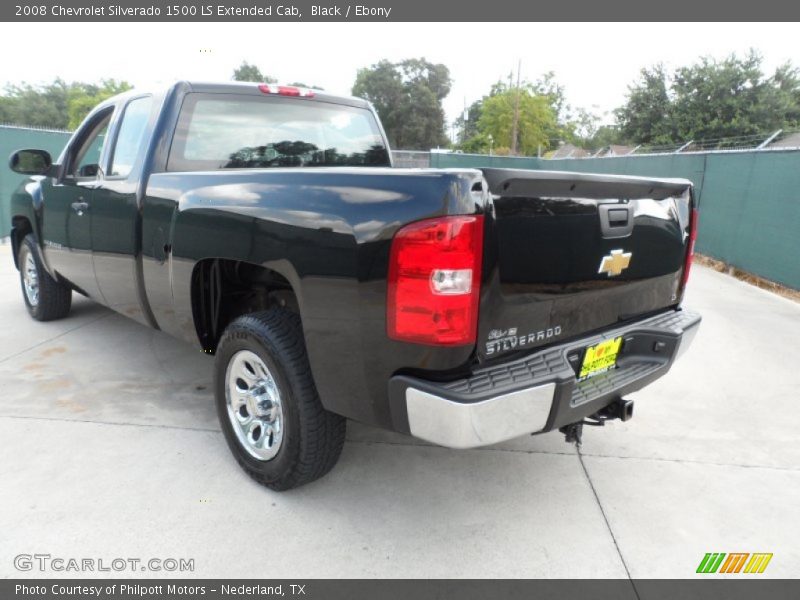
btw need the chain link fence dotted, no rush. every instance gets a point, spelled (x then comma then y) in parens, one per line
(777, 140)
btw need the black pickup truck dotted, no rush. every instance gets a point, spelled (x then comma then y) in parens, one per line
(266, 225)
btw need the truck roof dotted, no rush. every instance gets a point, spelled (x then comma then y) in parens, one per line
(239, 87)
(234, 87)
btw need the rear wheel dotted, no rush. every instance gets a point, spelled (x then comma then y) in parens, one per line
(46, 298)
(268, 405)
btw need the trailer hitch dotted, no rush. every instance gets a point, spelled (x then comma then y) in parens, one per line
(618, 409)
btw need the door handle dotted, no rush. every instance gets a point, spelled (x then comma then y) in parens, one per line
(80, 207)
(616, 220)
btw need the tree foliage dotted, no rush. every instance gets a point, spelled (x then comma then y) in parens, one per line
(82, 98)
(251, 73)
(549, 87)
(58, 105)
(300, 84)
(471, 139)
(408, 97)
(709, 100)
(547, 117)
(536, 120)
(646, 115)
(602, 137)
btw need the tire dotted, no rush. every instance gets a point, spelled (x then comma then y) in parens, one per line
(45, 298)
(270, 413)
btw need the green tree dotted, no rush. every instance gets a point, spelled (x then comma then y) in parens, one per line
(548, 86)
(480, 143)
(574, 125)
(732, 97)
(646, 116)
(251, 73)
(408, 97)
(785, 94)
(584, 125)
(58, 105)
(308, 87)
(709, 100)
(469, 137)
(82, 98)
(535, 123)
(37, 106)
(603, 136)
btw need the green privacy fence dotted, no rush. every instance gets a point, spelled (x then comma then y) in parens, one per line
(14, 138)
(749, 201)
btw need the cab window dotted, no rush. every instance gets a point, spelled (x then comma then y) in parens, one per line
(85, 161)
(232, 131)
(131, 134)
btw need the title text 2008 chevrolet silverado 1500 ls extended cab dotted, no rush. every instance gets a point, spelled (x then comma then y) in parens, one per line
(266, 225)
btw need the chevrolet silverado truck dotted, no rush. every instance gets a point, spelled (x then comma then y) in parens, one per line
(266, 225)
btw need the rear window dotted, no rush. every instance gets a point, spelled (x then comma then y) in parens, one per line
(217, 131)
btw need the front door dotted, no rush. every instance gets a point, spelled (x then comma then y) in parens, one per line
(66, 223)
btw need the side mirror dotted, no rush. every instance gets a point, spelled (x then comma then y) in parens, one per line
(89, 171)
(30, 162)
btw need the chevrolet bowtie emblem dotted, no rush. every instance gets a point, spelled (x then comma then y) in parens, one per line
(615, 263)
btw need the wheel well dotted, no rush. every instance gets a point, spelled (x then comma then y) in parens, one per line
(224, 289)
(20, 227)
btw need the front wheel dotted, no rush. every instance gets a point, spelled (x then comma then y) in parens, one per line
(267, 403)
(45, 298)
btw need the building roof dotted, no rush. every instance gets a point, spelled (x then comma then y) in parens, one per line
(790, 141)
(569, 151)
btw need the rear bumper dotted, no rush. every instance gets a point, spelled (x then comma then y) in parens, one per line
(540, 392)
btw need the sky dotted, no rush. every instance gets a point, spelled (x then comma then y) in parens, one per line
(595, 62)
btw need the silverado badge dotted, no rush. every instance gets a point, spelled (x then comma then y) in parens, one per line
(615, 263)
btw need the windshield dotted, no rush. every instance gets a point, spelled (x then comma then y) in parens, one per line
(217, 131)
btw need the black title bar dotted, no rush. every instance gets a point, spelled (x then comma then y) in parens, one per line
(701, 588)
(487, 11)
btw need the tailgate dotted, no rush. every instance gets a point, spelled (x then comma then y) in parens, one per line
(570, 253)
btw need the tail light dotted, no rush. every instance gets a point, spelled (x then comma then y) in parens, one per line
(434, 281)
(690, 248)
(286, 90)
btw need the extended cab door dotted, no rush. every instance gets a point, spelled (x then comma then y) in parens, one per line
(115, 211)
(66, 220)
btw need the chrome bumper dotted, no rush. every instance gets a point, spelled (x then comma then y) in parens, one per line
(540, 392)
(456, 425)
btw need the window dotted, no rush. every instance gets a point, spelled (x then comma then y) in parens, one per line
(130, 136)
(85, 162)
(239, 132)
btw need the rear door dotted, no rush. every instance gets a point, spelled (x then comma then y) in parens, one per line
(116, 222)
(571, 253)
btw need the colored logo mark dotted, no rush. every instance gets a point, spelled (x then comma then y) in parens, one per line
(734, 562)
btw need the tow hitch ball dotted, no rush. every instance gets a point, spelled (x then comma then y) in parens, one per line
(619, 409)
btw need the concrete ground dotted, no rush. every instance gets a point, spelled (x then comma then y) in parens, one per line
(110, 448)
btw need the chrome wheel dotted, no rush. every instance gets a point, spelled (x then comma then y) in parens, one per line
(254, 405)
(30, 280)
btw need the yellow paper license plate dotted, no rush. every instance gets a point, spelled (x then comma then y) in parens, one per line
(600, 357)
